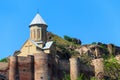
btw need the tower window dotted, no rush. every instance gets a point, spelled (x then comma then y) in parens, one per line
(34, 33)
(38, 33)
(30, 33)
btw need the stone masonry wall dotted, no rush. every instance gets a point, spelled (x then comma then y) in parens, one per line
(99, 68)
(25, 68)
(41, 67)
(74, 68)
(4, 69)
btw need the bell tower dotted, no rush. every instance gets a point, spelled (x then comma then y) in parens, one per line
(38, 29)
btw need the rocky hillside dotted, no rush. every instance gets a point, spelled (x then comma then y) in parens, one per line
(67, 48)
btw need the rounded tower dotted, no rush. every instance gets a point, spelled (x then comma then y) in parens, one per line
(41, 66)
(12, 68)
(74, 68)
(99, 68)
(38, 29)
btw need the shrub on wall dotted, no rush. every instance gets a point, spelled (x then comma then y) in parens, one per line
(4, 60)
(112, 68)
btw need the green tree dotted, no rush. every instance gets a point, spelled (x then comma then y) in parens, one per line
(4, 60)
(68, 38)
(73, 40)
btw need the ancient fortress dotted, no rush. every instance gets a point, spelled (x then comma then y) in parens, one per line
(36, 59)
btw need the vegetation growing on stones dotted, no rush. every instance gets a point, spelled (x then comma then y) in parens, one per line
(66, 77)
(112, 68)
(66, 49)
(66, 46)
(73, 40)
(4, 60)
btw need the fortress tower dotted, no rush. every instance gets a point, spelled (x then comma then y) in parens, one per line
(74, 68)
(99, 68)
(12, 68)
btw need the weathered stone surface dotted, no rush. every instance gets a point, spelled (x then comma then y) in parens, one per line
(97, 51)
(12, 68)
(3, 65)
(26, 68)
(41, 66)
(74, 68)
(111, 48)
(118, 58)
(99, 68)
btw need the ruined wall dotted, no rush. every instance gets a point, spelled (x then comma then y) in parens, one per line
(74, 68)
(64, 65)
(21, 68)
(4, 67)
(99, 68)
(37, 67)
(118, 58)
(25, 68)
(12, 68)
(41, 67)
(111, 48)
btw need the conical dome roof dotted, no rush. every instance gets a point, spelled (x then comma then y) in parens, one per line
(38, 20)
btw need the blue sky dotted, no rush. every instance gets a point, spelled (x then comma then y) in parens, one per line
(88, 20)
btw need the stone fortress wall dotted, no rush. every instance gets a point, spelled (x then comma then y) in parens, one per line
(40, 67)
(29, 68)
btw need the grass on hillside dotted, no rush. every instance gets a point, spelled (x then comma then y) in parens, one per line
(65, 49)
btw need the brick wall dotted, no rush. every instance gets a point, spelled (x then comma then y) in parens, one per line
(25, 68)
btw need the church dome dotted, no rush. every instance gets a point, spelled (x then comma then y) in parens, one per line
(38, 20)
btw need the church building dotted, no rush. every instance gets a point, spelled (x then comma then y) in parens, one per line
(38, 38)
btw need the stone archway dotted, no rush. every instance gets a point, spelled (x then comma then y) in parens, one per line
(2, 77)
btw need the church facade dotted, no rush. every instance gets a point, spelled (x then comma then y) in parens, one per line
(38, 38)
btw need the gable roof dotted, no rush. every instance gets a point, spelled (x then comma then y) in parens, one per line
(48, 45)
(38, 20)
